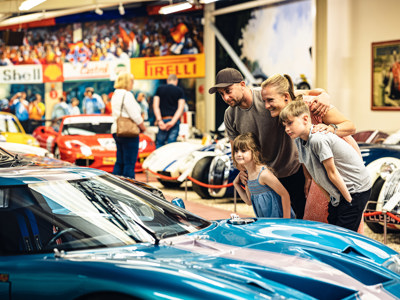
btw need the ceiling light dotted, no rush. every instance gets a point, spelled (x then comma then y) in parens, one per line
(169, 9)
(98, 11)
(28, 4)
(121, 9)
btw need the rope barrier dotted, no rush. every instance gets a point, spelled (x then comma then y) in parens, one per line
(162, 176)
(210, 186)
(375, 213)
(393, 216)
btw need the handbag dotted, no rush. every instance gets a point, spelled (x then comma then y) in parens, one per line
(126, 127)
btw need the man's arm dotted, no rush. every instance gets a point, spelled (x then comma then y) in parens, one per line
(177, 115)
(156, 108)
(336, 178)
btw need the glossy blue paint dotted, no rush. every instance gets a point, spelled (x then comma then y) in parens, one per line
(228, 259)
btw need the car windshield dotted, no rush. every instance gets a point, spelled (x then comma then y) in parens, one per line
(87, 128)
(8, 124)
(97, 212)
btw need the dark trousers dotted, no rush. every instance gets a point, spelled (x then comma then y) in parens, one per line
(294, 184)
(127, 153)
(164, 137)
(348, 215)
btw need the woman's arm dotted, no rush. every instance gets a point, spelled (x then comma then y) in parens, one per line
(267, 178)
(344, 126)
(320, 102)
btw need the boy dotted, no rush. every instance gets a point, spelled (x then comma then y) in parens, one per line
(332, 163)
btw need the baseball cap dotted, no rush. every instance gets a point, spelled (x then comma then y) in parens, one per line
(226, 77)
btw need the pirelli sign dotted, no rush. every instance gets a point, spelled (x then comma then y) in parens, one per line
(184, 66)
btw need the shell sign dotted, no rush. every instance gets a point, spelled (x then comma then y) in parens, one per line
(53, 73)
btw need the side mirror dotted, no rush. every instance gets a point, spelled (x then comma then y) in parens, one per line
(178, 202)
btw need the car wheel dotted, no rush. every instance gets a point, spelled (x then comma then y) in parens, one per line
(169, 183)
(375, 191)
(200, 173)
(303, 86)
(57, 153)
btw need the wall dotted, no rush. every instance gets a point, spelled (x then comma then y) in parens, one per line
(352, 25)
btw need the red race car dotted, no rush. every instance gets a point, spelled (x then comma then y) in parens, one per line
(85, 140)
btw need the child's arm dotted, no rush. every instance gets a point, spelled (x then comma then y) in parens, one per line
(308, 180)
(336, 178)
(243, 194)
(267, 178)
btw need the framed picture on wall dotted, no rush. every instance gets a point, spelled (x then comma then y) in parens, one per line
(385, 75)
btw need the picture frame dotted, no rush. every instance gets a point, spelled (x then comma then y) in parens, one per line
(385, 75)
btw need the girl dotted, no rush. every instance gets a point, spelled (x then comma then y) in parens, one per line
(263, 189)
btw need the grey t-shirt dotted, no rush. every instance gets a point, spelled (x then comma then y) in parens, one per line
(277, 147)
(322, 146)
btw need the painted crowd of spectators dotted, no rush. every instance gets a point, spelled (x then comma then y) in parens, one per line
(107, 40)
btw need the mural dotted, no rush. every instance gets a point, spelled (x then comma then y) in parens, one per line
(270, 39)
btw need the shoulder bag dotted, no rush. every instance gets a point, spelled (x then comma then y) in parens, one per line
(126, 127)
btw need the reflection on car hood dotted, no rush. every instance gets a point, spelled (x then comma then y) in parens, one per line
(270, 256)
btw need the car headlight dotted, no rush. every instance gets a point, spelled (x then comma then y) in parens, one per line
(393, 264)
(387, 169)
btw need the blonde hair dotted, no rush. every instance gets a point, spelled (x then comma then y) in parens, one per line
(244, 142)
(282, 84)
(123, 80)
(294, 109)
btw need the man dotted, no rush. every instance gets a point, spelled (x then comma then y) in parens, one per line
(92, 103)
(36, 112)
(20, 106)
(168, 106)
(247, 113)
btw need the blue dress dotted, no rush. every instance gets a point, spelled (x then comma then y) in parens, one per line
(266, 202)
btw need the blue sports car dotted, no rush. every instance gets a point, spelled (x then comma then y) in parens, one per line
(80, 233)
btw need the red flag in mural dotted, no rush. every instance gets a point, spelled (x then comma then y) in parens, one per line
(178, 32)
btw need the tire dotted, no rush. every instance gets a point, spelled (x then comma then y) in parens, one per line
(57, 153)
(200, 173)
(303, 86)
(169, 183)
(375, 191)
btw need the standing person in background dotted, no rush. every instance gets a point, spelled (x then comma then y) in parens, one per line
(92, 103)
(74, 106)
(168, 106)
(59, 110)
(20, 107)
(36, 111)
(123, 103)
(144, 106)
(107, 104)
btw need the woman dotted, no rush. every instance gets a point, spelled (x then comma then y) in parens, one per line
(278, 91)
(127, 148)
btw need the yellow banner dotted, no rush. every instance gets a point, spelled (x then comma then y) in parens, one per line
(184, 66)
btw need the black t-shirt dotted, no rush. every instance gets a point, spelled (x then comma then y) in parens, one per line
(169, 95)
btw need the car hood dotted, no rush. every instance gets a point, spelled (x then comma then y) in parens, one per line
(20, 138)
(272, 257)
(100, 142)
